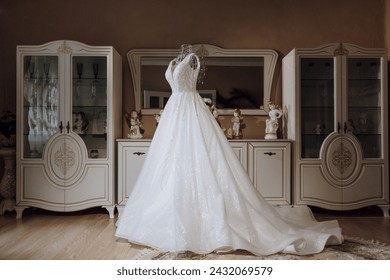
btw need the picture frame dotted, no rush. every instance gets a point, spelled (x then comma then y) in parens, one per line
(209, 93)
(155, 99)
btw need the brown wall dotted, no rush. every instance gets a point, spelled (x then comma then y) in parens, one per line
(387, 27)
(126, 24)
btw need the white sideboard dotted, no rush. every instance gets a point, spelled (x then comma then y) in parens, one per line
(268, 164)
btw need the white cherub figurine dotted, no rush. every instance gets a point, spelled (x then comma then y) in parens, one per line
(318, 129)
(212, 107)
(135, 125)
(363, 122)
(272, 123)
(237, 124)
(81, 123)
(157, 116)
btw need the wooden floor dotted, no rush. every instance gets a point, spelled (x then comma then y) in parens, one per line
(89, 234)
(367, 223)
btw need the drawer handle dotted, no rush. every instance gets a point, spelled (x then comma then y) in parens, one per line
(138, 153)
(61, 127)
(270, 153)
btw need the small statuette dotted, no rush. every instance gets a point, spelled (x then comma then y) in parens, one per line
(81, 123)
(212, 108)
(94, 153)
(136, 128)
(238, 124)
(157, 116)
(229, 133)
(318, 129)
(272, 124)
(350, 127)
(363, 123)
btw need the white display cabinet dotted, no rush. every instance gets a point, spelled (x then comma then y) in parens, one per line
(69, 114)
(335, 103)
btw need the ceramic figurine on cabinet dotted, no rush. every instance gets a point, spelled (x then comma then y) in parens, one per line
(238, 125)
(81, 123)
(318, 129)
(136, 128)
(272, 124)
(363, 123)
(94, 153)
(228, 132)
(157, 116)
(212, 107)
(350, 127)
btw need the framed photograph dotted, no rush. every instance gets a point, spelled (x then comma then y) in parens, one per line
(155, 99)
(209, 93)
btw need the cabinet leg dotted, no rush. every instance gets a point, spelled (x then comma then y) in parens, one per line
(19, 211)
(385, 209)
(110, 210)
(120, 209)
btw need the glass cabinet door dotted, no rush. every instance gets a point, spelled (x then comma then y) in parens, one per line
(89, 103)
(364, 104)
(40, 103)
(317, 103)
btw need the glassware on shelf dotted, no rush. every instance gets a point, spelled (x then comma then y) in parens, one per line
(46, 69)
(79, 69)
(31, 69)
(317, 103)
(93, 91)
(89, 104)
(95, 68)
(40, 104)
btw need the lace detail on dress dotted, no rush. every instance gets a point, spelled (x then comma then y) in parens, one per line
(181, 76)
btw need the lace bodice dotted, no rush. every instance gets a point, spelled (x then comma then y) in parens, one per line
(182, 76)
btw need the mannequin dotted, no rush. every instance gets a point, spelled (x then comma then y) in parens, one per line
(186, 49)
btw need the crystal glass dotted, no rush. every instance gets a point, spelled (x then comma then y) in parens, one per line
(317, 104)
(89, 103)
(40, 104)
(364, 104)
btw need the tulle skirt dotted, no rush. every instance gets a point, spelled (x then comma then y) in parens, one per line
(194, 195)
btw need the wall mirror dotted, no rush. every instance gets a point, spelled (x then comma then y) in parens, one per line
(234, 78)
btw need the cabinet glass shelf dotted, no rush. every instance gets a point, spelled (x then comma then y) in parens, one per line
(89, 102)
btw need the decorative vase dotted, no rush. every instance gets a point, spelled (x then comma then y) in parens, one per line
(94, 153)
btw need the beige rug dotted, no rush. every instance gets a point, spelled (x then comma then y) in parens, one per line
(352, 249)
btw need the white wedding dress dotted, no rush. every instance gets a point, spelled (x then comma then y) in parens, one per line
(193, 194)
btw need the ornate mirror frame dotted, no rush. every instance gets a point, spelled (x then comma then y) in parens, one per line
(269, 56)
